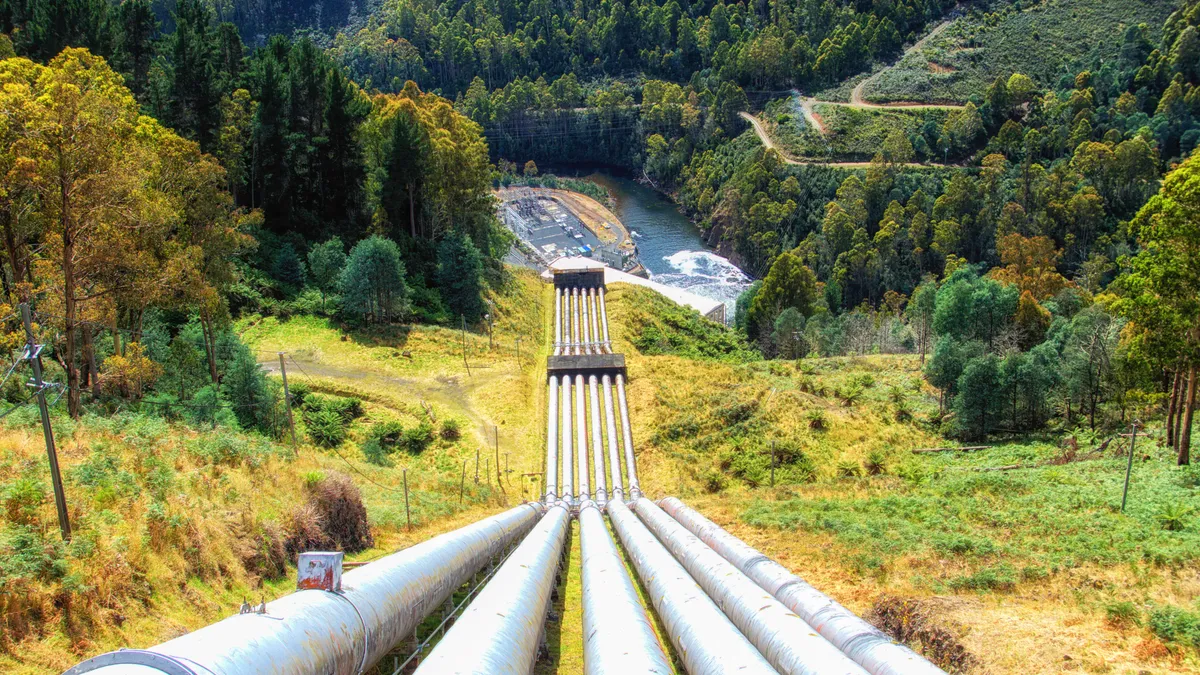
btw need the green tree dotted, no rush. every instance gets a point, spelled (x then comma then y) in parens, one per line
(459, 276)
(788, 335)
(372, 282)
(137, 31)
(976, 403)
(195, 99)
(1161, 291)
(287, 266)
(789, 283)
(406, 161)
(325, 263)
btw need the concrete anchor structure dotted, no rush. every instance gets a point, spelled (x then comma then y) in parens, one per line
(865, 644)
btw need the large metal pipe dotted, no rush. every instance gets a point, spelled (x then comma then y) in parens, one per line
(500, 631)
(557, 321)
(784, 638)
(584, 317)
(581, 449)
(635, 490)
(867, 645)
(597, 442)
(617, 637)
(595, 312)
(703, 636)
(575, 322)
(552, 443)
(313, 632)
(565, 457)
(604, 321)
(614, 457)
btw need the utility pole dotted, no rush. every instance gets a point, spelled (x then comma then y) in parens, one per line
(464, 345)
(407, 515)
(772, 463)
(498, 474)
(33, 352)
(477, 465)
(287, 399)
(1129, 466)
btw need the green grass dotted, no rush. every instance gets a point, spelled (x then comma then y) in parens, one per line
(998, 528)
(1051, 39)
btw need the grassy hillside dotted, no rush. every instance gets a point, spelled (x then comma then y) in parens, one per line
(1050, 38)
(176, 525)
(1016, 559)
(850, 133)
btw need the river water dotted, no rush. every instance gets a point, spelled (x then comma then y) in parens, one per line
(669, 245)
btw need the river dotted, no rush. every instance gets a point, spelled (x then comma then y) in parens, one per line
(669, 245)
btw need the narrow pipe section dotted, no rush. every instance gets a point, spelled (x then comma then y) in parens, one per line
(313, 632)
(500, 631)
(575, 322)
(865, 644)
(597, 442)
(568, 467)
(584, 316)
(604, 321)
(614, 457)
(581, 451)
(595, 311)
(558, 321)
(617, 637)
(635, 490)
(552, 444)
(706, 641)
(781, 636)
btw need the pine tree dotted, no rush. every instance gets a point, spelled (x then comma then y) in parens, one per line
(341, 164)
(372, 283)
(195, 99)
(405, 166)
(137, 30)
(460, 268)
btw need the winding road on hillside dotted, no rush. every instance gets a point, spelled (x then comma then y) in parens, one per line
(763, 136)
(856, 101)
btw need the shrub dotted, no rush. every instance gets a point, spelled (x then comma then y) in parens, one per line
(343, 516)
(999, 578)
(816, 420)
(713, 480)
(306, 531)
(1122, 614)
(849, 469)
(328, 418)
(915, 624)
(451, 430)
(23, 499)
(376, 453)
(262, 548)
(1174, 624)
(417, 438)
(299, 391)
(1174, 517)
(876, 463)
(326, 428)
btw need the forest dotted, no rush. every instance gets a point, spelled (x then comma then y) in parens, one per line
(336, 187)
